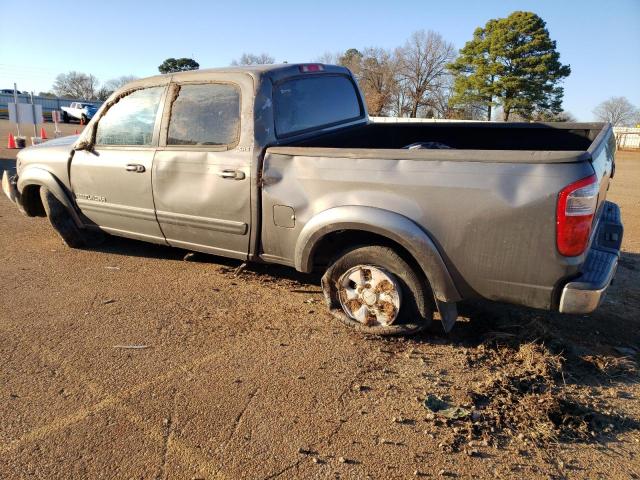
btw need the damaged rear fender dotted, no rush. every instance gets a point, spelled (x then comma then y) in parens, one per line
(393, 226)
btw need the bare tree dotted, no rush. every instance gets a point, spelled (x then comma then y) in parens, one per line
(619, 111)
(437, 103)
(422, 68)
(378, 80)
(76, 85)
(329, 58)
(114, 84)
(374, 70)
(253, 59)
(546, 116)
(352, 59)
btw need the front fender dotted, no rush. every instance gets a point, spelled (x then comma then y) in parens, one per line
(44, 178)
(391, 225)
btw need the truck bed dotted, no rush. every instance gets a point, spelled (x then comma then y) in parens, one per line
(489, 201)
(489, 142)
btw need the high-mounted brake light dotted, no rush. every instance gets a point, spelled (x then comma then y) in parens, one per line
(576, 207)
(311, 67)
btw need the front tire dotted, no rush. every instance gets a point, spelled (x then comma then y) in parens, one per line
(374, 290)
(64, 225)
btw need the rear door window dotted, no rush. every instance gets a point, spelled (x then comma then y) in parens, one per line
(307, 103)
(205, 114)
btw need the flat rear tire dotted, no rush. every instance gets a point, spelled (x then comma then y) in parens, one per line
(374, 290)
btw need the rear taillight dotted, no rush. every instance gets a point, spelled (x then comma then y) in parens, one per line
(576, 206)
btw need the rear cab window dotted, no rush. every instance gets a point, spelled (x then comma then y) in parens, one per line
(311, 102)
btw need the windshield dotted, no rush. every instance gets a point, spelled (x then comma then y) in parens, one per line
(307, 103)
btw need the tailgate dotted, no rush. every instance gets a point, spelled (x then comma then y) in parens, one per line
(603, 161)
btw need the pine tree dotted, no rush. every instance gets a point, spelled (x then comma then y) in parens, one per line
(171, 65)
(512, 63)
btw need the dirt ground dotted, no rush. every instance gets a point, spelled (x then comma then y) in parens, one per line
(249, 377)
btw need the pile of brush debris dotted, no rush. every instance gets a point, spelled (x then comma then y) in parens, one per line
(523, 397)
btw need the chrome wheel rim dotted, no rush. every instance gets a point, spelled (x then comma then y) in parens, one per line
(370, 295)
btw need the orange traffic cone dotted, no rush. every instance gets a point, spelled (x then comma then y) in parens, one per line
(81, 120)
(43, 133)
(77, 133)
(12, 141)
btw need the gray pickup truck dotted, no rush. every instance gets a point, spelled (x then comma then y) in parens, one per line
(281, 164)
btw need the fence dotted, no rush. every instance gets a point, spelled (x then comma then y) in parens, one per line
(48, 104)
(627, 138)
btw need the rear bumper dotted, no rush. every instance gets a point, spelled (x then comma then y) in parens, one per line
(585, 293)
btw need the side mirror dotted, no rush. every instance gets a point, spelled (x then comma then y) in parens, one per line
(84, 145)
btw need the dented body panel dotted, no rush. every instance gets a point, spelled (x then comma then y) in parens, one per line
(478, 219)
(497, 238)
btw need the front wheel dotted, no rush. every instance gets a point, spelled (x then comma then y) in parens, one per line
(374, 290)
(64, 225)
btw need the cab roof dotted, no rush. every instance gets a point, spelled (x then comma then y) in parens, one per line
(274, 71)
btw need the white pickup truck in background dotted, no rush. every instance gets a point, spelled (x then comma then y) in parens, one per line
(80, 111)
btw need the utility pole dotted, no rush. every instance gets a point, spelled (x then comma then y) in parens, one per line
(15, 100)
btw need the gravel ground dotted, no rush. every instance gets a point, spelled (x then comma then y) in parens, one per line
(249, 377)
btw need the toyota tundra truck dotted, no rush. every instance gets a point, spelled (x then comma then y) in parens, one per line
(281, 164)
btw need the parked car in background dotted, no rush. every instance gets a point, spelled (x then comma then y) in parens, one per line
(281, 164)
(79, 111)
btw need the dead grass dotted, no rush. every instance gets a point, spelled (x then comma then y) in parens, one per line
(612, 367)
(524, 398)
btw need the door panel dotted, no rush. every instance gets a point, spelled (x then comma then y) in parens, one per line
(113, 189)
(199, 205)
(201, 171)
(112, 182)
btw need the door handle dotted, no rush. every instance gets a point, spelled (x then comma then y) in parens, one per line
(135, 167)
(232, 174)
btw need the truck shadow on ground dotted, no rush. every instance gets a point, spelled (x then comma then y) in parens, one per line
(614, 325)
(271, 273)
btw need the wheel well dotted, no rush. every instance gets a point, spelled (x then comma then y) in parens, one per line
(31, 201)
(336, 242)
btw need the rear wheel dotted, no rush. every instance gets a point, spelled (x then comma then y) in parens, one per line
(374, 290)
(65, 117)
(64, 225)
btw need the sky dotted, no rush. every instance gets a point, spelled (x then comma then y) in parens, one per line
(599, 40)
